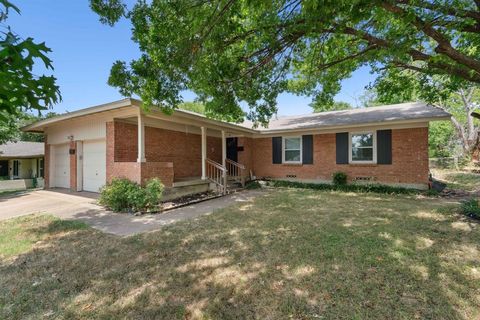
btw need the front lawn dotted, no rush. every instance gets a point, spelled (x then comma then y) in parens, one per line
(292, 254)
(458, 179)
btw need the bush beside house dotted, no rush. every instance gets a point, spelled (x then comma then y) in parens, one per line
(339, 178)
(123, 195)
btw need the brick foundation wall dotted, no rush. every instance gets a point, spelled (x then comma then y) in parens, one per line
(409, 160)
(162, 170)
(129, 170)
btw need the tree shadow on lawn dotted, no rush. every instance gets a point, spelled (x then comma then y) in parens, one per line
(288, 254)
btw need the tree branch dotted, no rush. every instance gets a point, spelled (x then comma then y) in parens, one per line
(450, 11)
(444, 67)
(444, 46)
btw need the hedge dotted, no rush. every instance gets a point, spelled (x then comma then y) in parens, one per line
(367, 188)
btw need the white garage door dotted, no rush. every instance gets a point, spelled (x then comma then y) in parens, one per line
(94, 165)
(62, 166)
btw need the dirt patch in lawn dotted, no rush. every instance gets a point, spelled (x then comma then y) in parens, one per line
(291, 254)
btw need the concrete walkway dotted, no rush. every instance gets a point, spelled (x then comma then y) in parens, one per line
(81, 206)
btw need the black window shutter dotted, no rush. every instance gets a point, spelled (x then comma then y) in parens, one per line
(342, 147)
(277, 149)
(307, 149)
(384, 146)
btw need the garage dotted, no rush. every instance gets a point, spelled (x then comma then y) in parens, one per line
(94, 165)
(62, 166)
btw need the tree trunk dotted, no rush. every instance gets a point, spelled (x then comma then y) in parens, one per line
(470, 137)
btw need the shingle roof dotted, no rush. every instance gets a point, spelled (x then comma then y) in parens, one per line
(395, 112)
(22, 149)
(409, 112)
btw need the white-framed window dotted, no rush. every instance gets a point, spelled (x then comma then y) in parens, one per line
(362, 147)
(292, 150)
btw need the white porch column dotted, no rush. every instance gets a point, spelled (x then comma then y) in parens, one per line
(141, 138)
(204, 152)
(224, 148)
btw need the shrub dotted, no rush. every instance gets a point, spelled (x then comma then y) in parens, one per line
(432, 193)
(471, 208)
(253, 185)
(339, 178)
(118, 194)
(153, 194)
(376, 188)
(123, 195)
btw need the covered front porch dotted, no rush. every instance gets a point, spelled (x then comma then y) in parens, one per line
(183, 151)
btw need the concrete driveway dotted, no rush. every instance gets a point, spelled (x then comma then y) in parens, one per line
(82, 206)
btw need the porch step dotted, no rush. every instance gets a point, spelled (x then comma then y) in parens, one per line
(190, 182)
(232, 187)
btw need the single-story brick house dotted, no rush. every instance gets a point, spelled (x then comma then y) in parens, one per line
(87, 148)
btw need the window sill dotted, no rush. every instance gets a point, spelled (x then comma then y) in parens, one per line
(359, 164)
(292, 164)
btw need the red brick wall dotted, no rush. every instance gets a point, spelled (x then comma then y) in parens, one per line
(180, 148)
(129, 170)
(162, 170)
(409, 160)
(126, 142)
(114, 145)
(169, 154)
(245, 157)
(73, 166)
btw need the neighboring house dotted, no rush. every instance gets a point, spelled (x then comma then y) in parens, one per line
(87, 148)
(20, 162)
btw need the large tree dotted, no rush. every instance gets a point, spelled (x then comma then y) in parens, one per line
(461, 99)
(231, 52)
(10, 128)
(20, 88)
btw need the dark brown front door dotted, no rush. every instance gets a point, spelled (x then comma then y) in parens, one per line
(232, 152)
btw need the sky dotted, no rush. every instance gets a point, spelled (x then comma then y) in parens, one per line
(83, 51)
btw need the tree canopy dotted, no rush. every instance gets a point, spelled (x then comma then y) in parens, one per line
(10, 127)
(193, 106)
(460, 99)
(20, 88)
(233, 52)
(335, 106)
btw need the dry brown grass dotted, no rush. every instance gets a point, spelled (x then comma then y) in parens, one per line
(297, 254)
(458, 179)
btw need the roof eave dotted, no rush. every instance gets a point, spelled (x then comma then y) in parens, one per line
(360, 124)
(39, 126)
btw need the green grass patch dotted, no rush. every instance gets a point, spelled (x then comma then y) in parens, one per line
(19, 235)
(289, 254)
(251, 185)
